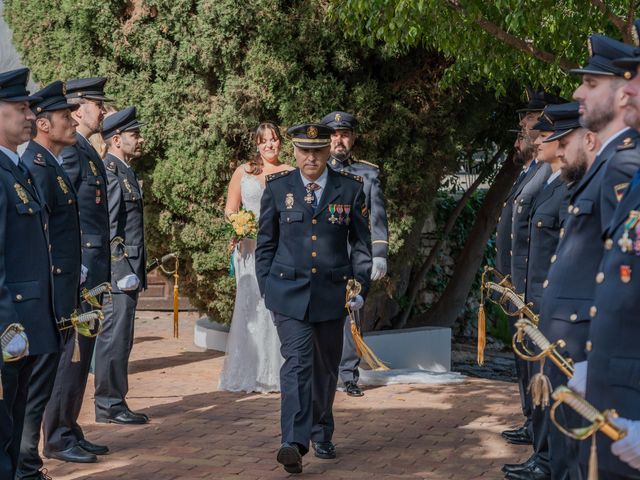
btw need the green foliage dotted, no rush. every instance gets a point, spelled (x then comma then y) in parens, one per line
(204, 73)
(482, 37)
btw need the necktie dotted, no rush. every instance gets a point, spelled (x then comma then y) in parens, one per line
(311, 197)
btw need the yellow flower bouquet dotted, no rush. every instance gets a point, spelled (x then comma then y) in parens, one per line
(244, 224)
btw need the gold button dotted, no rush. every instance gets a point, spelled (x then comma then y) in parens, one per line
(593, 311)
(314, 270)
(545, 284)
(31, 210)
(573, 317)
(313, 237)
(576, 211)
(588, 346)
(600, 277)
(608, 244)
(570, 209)
(281, 275)
(58, 270)
(539, 224)
(314, 254)
(18, 297)
(314, 221)
(70, 201)
(88, 244)
(554, 258)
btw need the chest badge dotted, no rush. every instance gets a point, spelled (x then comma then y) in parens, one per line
(63, 186)
(93, 167)
(127, 185)
(21, 193)
(288, 201)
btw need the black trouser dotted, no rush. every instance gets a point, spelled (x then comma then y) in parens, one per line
(113, 347)
(350, 360)
(60, 425)
(39, 393)
(564, 451)
(522, 372)
(15, 385)
(308, 378)
(540, 426)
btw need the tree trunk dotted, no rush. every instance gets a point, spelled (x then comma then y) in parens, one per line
(452, 301)
(417, 280)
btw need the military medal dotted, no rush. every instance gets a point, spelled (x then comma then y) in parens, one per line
(288, 201)
(347, 210)
(63, 186)
(127, 185)
(332, 209)
(339, 209)
(21, 193)
(94, 170)
(625, 243)
(625, 273)
(98, 196)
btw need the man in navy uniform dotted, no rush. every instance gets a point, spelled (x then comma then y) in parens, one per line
(341, 160)
(613, 372)
(570, 285)
(53, 129)
(121, 133)
(548, 213)
(512, 233)
(63, 436)
(309, 218)
(26, 286)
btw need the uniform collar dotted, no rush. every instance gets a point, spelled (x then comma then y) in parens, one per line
(15, 158)
(321, 181)
(606, 143)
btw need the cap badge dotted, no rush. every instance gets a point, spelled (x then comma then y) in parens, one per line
(338, 117)
(64, 88)
(627, 75)
(312, 132)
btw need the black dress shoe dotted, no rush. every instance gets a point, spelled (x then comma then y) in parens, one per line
(326, 450)
(125, 418)
(520, 437)
(93, 447)
(289, 457)
(533, 472)
(74, 454)
(514, 467)
(352, 389)
(514, 432)
(140, 414)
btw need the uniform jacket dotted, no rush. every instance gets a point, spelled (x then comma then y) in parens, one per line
(64, 225)
(522, 203)
(503, 228)
(548, 214)
(302, 257)
(375, 200)
(570, 286)
(26, 286)
(613, 379)
(126, 218)
(89, 178)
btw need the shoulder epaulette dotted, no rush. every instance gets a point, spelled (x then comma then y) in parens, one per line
(39, 160)
(368, 163)
(276, 175)
(627, 143)
(357, 178)
(110, 165)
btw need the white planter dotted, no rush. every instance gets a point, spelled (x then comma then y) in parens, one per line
(210, 335)
(424, 348)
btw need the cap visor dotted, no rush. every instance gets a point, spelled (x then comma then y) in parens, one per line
(528, 110)
(311, 146)
(23, 98)
(587, 71)
(557, 135)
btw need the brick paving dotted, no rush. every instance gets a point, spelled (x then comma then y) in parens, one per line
(393, 432)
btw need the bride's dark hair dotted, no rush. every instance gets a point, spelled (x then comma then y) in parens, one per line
(256, 163)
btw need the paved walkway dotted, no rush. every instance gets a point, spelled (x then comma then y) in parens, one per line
(393, 432)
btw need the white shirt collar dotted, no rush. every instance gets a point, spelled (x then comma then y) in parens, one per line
(321, 181)
(553, 176)
(15, 158)
(610, 139)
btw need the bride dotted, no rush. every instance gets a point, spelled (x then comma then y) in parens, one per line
(253, 360)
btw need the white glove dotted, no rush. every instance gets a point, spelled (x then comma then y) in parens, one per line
(356, 304)
(16, 346)
(379, 268)
(578, 383)
(628, 449)
(83, 274)
(129, 283)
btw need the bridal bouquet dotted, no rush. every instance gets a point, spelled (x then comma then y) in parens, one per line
(243, 224)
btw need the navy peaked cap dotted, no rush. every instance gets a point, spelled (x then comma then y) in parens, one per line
(123, 121)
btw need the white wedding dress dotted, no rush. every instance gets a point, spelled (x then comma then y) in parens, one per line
(253, 360)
